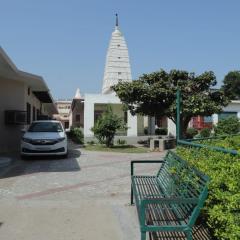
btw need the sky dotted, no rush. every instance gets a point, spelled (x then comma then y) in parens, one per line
(66, 41)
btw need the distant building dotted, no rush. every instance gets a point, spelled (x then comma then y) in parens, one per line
(76, 114)
(232, 109)
(63, 107)
(24, 97)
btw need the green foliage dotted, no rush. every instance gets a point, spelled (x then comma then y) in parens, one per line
(121, 142)
(223, 205)
(161, 131)
(106, 127)
(205, 132)
(154, 94)
(146, 130)
(229, 125)
(191, 132)
(76, 135)
(231, 143)
(91, 142)
(231, 85)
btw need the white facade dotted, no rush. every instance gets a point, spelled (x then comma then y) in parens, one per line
(117, 67)
(91, 100)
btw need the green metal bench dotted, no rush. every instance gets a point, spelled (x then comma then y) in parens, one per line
(171, 200)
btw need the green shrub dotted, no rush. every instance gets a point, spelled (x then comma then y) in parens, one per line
(191, 132)
(121, 142)
(229, 125)
(161, 131)
(146, 130)
(106, 127)
(222, 208)
(76, 135)
(205, 132)
(91, 142)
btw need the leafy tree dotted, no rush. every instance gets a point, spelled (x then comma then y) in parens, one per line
(106, 127)
(231, 85)
(154, 94)
(230, 125)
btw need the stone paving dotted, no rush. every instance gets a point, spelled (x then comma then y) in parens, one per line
(83, 197)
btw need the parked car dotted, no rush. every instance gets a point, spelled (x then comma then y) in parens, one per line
(45, 137)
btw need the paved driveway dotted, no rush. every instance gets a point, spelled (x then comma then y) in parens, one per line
(84, 197)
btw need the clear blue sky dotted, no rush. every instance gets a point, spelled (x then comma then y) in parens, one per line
(66, 41)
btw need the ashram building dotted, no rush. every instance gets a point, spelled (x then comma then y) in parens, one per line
(86, 110)
(24, 97)
(63, 107)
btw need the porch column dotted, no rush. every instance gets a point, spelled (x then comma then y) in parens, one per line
(151, 125)
(215, 118)
(132, 125)
(171, 127)
(88, 118)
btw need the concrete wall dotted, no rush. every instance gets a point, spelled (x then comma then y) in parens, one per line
(11, 98)
(14, 96)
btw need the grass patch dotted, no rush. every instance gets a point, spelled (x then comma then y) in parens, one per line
(117, 148)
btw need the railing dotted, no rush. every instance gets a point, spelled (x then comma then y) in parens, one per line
(192, 143)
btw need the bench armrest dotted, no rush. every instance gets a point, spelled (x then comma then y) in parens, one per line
(143, 161)
(177, 200)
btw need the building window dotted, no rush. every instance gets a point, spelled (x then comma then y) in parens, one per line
(78, 118)
(28, 113)
(119, 73)
(34, 113)
(225, 115)
(66, 125)
(118, 45)
(119, 57)
(97, 115)
(28, 91)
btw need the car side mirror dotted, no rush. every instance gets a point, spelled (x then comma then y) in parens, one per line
(23, 131)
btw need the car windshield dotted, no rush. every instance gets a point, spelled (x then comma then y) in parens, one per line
(45, 127)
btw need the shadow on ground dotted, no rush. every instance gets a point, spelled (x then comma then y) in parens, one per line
(200, 232)
(43, 164)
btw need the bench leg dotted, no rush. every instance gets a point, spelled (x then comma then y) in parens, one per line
(131, 196)
(143, 235)
(189, 235)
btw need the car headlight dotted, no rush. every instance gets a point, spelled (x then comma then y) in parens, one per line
(27, 140)
(60, 139)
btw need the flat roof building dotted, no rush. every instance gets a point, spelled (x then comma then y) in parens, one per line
(24, 97)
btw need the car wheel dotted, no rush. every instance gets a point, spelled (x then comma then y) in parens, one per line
(65, 156)
(24, 157)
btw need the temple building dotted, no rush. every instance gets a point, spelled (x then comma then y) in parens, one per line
(117, 68)
(86, 110)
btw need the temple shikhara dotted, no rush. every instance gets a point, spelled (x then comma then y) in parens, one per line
(85, 111)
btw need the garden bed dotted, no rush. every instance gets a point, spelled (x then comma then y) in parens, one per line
(222, 210)
(117, 148)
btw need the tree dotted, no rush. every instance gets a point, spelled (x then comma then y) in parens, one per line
(154, 94)
(106, 127)
(231, 85)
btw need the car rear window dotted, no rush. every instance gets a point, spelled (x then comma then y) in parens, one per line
(45, 127)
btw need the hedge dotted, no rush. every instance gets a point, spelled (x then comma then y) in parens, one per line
(222, 209)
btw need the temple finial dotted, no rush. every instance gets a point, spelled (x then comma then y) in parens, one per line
(116, 20)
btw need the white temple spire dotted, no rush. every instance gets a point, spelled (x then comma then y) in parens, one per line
(78, 94)
(117, 67)
(116, 25)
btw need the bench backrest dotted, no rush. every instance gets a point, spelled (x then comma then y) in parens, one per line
(178, 178)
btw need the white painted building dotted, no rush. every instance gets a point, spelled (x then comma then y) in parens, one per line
(117, 68)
